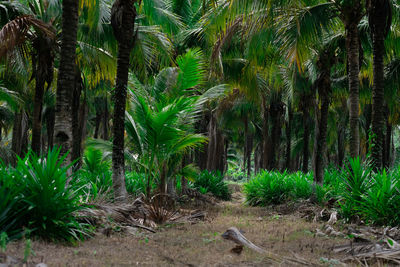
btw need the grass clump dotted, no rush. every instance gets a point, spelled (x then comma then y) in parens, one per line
(271, 188)
(212, 182)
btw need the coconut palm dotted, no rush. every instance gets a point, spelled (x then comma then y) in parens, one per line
(123, 15)
(66, 77)
(33, 32)
(380, 19)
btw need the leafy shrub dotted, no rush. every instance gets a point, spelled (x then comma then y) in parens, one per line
(270, 187)
(357, 180)
(136, 183)
(213, 183)
(11, 208)
(381, 200)
(37, 186)
(236, 175)
(94, 179)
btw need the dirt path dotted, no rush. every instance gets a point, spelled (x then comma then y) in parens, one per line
(195, 245)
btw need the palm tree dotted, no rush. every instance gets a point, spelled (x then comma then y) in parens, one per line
(380, 18)
(351, 13)
(123, 15)
(41, 42)
(66, 77)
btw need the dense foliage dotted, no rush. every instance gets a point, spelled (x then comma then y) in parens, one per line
(37, 198)
(213, 182)
(361, 193)
(154, 96)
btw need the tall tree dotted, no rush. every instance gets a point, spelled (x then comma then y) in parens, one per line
(351, 13)
(123, 14)
(66, 77)
(380, 18)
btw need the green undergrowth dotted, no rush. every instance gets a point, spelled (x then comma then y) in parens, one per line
(360, 194)
(212, 182)
(35, 200)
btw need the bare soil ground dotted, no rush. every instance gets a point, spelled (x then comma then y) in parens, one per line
(200, 244)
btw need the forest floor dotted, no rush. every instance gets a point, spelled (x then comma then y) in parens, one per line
(281, 231)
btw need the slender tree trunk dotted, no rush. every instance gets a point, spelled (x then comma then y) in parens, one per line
(353, 58)
(24, 134)
(276, 114)
(42, 71)
(368, 118)
(289, 137)
(212, 144)
(378, 19)
(77, 122)
(202, 154)
(388, 142)
(306, 139)
(50, 120)
(249, 150)
(246, 145)
(220, 151)
(265, 142)
(163, 178)
(37, 116)
(123, 15)
(66, 77)
(340, 144)
(324, 90)
(17, 135)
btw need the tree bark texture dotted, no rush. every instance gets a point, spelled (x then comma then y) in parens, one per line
(353, 57)
(66, 77)
(123, 15)
(379, 14)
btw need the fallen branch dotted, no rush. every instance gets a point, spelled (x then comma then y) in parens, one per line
(233, 234)
(236, 236)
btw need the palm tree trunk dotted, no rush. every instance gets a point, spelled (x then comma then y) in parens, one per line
(353, 46)
(368, 118)
(123, 15)
(212, 142)
(245, 143)
(50, 119)
(265, 134)
(388, 143)
(276, 114)
(37, 116)
(249, 150)
(76, 122)
(16, 134)
(163, 178)
(66, 77)
(378, 19)
(289, 137)
(306, 139)
(324, 89)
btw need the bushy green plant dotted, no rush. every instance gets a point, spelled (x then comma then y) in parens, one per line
(94, 179)
(270, 187)
(236, 175)
(213, 183)
(11, 206)
(380, 203)
(50, 204)
(357, 179)
(136, 183)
